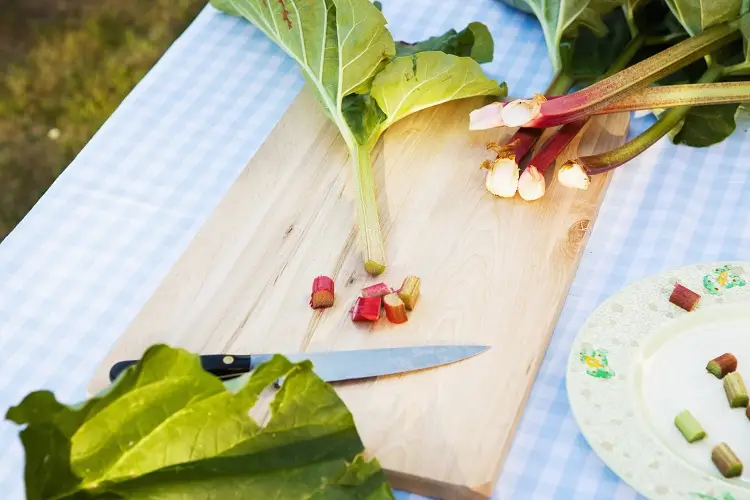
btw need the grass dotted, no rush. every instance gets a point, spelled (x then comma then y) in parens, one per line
(65, 66)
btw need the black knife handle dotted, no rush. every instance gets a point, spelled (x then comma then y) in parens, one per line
(224, 366)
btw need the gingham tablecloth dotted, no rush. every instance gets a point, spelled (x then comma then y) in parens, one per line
(75, 272)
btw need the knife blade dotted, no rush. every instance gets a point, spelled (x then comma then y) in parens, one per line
(336, 366)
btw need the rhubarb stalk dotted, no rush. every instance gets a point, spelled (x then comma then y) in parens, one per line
(532, 184)
(576, 173)
(538, 112)
(503, 173)
(367, 309)
(532, 178)
(672, 96)
(322, 292)
(367, 211)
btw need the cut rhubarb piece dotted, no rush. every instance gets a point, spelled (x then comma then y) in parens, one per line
(689, 426)
(395, 309)
(684, 297)
(376, 290)
(409, 292)
(722, 365)
(726, 461)
(734, 386)
(366, 309)
(322, 292)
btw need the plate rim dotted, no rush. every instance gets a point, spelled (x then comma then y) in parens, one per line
(574, 372)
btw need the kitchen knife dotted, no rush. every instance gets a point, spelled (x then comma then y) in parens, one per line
(336, 366)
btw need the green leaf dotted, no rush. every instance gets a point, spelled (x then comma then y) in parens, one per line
(168, 429)
(364, 117)
(704, 126)
(587, 56)
(412, 83)
(697, 15)
(341, 45)
(563, 18)
(474, 41)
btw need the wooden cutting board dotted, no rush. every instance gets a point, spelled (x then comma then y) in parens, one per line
(494, 271)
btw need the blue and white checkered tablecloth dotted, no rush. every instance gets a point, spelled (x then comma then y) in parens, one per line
(78, 268)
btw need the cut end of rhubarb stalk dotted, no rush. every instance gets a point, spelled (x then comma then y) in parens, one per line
(736, 391)
(374, 268)
(722, 365)
(502, 178)
(489, 116)
(409, 291)
(395, 309)
(726, 461)
(366, 309)
(322, 292)
(521, 111)
(684, 297)
(689, 426)
(531, 185)
(376, 290)
(572, 175)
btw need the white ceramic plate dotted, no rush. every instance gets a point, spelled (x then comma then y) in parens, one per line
(639, 360)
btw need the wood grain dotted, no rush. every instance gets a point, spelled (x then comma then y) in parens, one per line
(493, 271)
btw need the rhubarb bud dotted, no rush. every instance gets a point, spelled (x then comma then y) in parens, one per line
(409, 291)
(366, 309)
(395, 309)
(571, 174)
(502, 177)
(489, 116)
(722, 365)
(376, 290)
(521, 111)
(531, 184)
(684, 297)
(322, 292)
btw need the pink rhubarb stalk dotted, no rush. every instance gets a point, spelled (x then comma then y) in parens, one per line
(531, 185)
(322, 292)
(376, 290)
(543, 113)
(503, 173)
(672, 96)
(367, 309)
(577, 172)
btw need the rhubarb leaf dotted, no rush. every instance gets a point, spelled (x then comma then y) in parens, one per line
(340, 46)
(704, 126)
(474, 41)
(563, 17)
(697, 15)
(412, 83)
(169, 429)
(588, 56)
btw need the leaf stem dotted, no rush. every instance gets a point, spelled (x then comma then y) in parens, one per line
(586, 101)
(627, 55)
(604, 162)
(368, 221)
(740, 69)
(691, 94)
(560, 84)
(650, 41)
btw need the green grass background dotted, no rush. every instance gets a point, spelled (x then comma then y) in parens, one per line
(65, 65)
